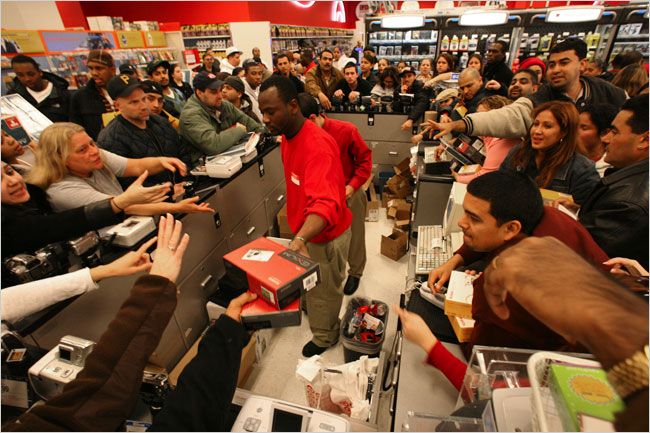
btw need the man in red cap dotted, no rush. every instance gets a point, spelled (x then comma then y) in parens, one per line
(535, 64)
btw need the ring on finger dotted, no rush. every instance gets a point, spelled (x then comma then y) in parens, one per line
(171, 247)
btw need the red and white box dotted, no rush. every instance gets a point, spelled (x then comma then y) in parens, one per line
(277, 274)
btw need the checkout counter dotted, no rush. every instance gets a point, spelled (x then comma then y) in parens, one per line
(245, 208)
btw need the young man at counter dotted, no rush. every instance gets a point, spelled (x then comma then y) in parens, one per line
(88, 105)
(232, 60)
(253, 71)
(501, 209)
(285, 69)
(321, 81)
(472, 91)
(356, 159)
(351, 88)
(564, 83)
(136, 133)
(316, 208)
(420, 96)
(497, 74)
(209, 124)
(524, 83)
(234, 91)
(155, 102)
(47, 92)
(173, 99)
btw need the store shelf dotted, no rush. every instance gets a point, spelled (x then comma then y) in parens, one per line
(400, 42)
(644, 36)
(279, 38)
(208, 37)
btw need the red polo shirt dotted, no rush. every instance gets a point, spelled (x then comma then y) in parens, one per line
(521, 329)
(356, 156)
(315, 183)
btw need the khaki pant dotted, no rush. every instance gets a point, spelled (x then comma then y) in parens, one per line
(357, 203)
(324, 301)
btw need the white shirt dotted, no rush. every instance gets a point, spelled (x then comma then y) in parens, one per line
(43, 94)
(225, 66)
(254, 95)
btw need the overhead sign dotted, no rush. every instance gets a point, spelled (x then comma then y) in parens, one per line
(338, 12)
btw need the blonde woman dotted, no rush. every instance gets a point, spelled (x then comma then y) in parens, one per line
(75, 172)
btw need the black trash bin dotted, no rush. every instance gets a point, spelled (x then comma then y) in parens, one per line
(354, 349)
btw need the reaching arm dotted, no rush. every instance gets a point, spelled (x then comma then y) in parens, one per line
(154, 165)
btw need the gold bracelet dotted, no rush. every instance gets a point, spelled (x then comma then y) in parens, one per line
(631, 374)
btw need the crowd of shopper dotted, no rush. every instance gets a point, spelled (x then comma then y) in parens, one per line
(121, 146)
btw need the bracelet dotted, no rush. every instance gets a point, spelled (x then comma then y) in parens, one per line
(116, 205)
(300, 238)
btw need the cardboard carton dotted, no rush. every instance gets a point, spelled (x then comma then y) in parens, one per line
(260, 315)
(283, 223)
(399, 185)
(398, 209)
(403, 168)
(372, 209)
(394, 245)
(462, 328)
(386, 196)
(458, 301)
(402, 224)
(277, 274)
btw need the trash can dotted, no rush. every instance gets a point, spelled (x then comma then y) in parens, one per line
(353, 348)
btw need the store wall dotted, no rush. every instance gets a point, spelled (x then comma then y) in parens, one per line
(35, 15)
(196, 12)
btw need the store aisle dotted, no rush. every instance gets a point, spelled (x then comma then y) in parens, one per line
(383, 279)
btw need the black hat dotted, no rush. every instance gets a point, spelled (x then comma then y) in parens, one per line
(152, 66)
(204, 80)
(236, 83)
(407, 70)
(152, 87)
(121, 86)
(127, 68)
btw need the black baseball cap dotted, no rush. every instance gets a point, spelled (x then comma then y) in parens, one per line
(152, 87)
(127, 68)
(236, 83)
(205, 80)
(121, 86)
(407, 70)
(152, 66)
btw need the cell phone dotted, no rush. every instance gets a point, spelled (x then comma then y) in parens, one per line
(454, 76)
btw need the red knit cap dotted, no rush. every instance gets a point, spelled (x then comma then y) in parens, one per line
(531, 61)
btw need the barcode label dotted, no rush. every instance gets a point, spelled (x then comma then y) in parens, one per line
(268, 295)
(310, 282)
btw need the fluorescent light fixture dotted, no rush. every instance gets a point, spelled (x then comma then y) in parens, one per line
(402, 21)
(483, 18)
(574, 14)
(303, 4)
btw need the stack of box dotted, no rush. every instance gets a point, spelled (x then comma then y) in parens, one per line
(278, 276)
(458, 304)
(400, 185)
(399, 210)
(372, 208)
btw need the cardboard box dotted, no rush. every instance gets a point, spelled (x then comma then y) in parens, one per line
(283, 223)
(398, 209)
(386, 196)
(260, 315)
(462, 328)
(372, 208)
(403, 168)
(394, 245)
(460, 291)
(402, 224)
(277, 274)
(400, 186)
(245, 367)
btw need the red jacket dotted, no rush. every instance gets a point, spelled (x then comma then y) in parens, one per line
(521, 329)
(315, 183)
(356, 156)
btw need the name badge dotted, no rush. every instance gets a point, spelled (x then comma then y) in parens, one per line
(295, 179)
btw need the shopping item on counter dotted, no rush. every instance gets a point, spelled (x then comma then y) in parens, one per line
(340, 389)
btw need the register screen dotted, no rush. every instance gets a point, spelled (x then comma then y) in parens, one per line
(286, 421)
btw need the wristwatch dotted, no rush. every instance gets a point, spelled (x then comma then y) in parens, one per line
(631, 374)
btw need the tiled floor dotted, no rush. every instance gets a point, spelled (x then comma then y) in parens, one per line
(383, 279)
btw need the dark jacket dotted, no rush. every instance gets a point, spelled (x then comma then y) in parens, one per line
(185, 88)
(471, 105)
(420, 99)
(32, 225)
(577, 177)
(158, 139)
(297, 83)
(247, 108)
(56, 106)
(174, 106)
(86, 109)
(500, 72)
(616, 213)
(596, 91)
(201, 68)
(105, 392)
(205, 388)
(363, 87)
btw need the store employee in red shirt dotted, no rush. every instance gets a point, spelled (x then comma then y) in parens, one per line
(316, 207)
(356, 159)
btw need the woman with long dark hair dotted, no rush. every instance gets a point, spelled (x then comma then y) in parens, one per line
(550, 154)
